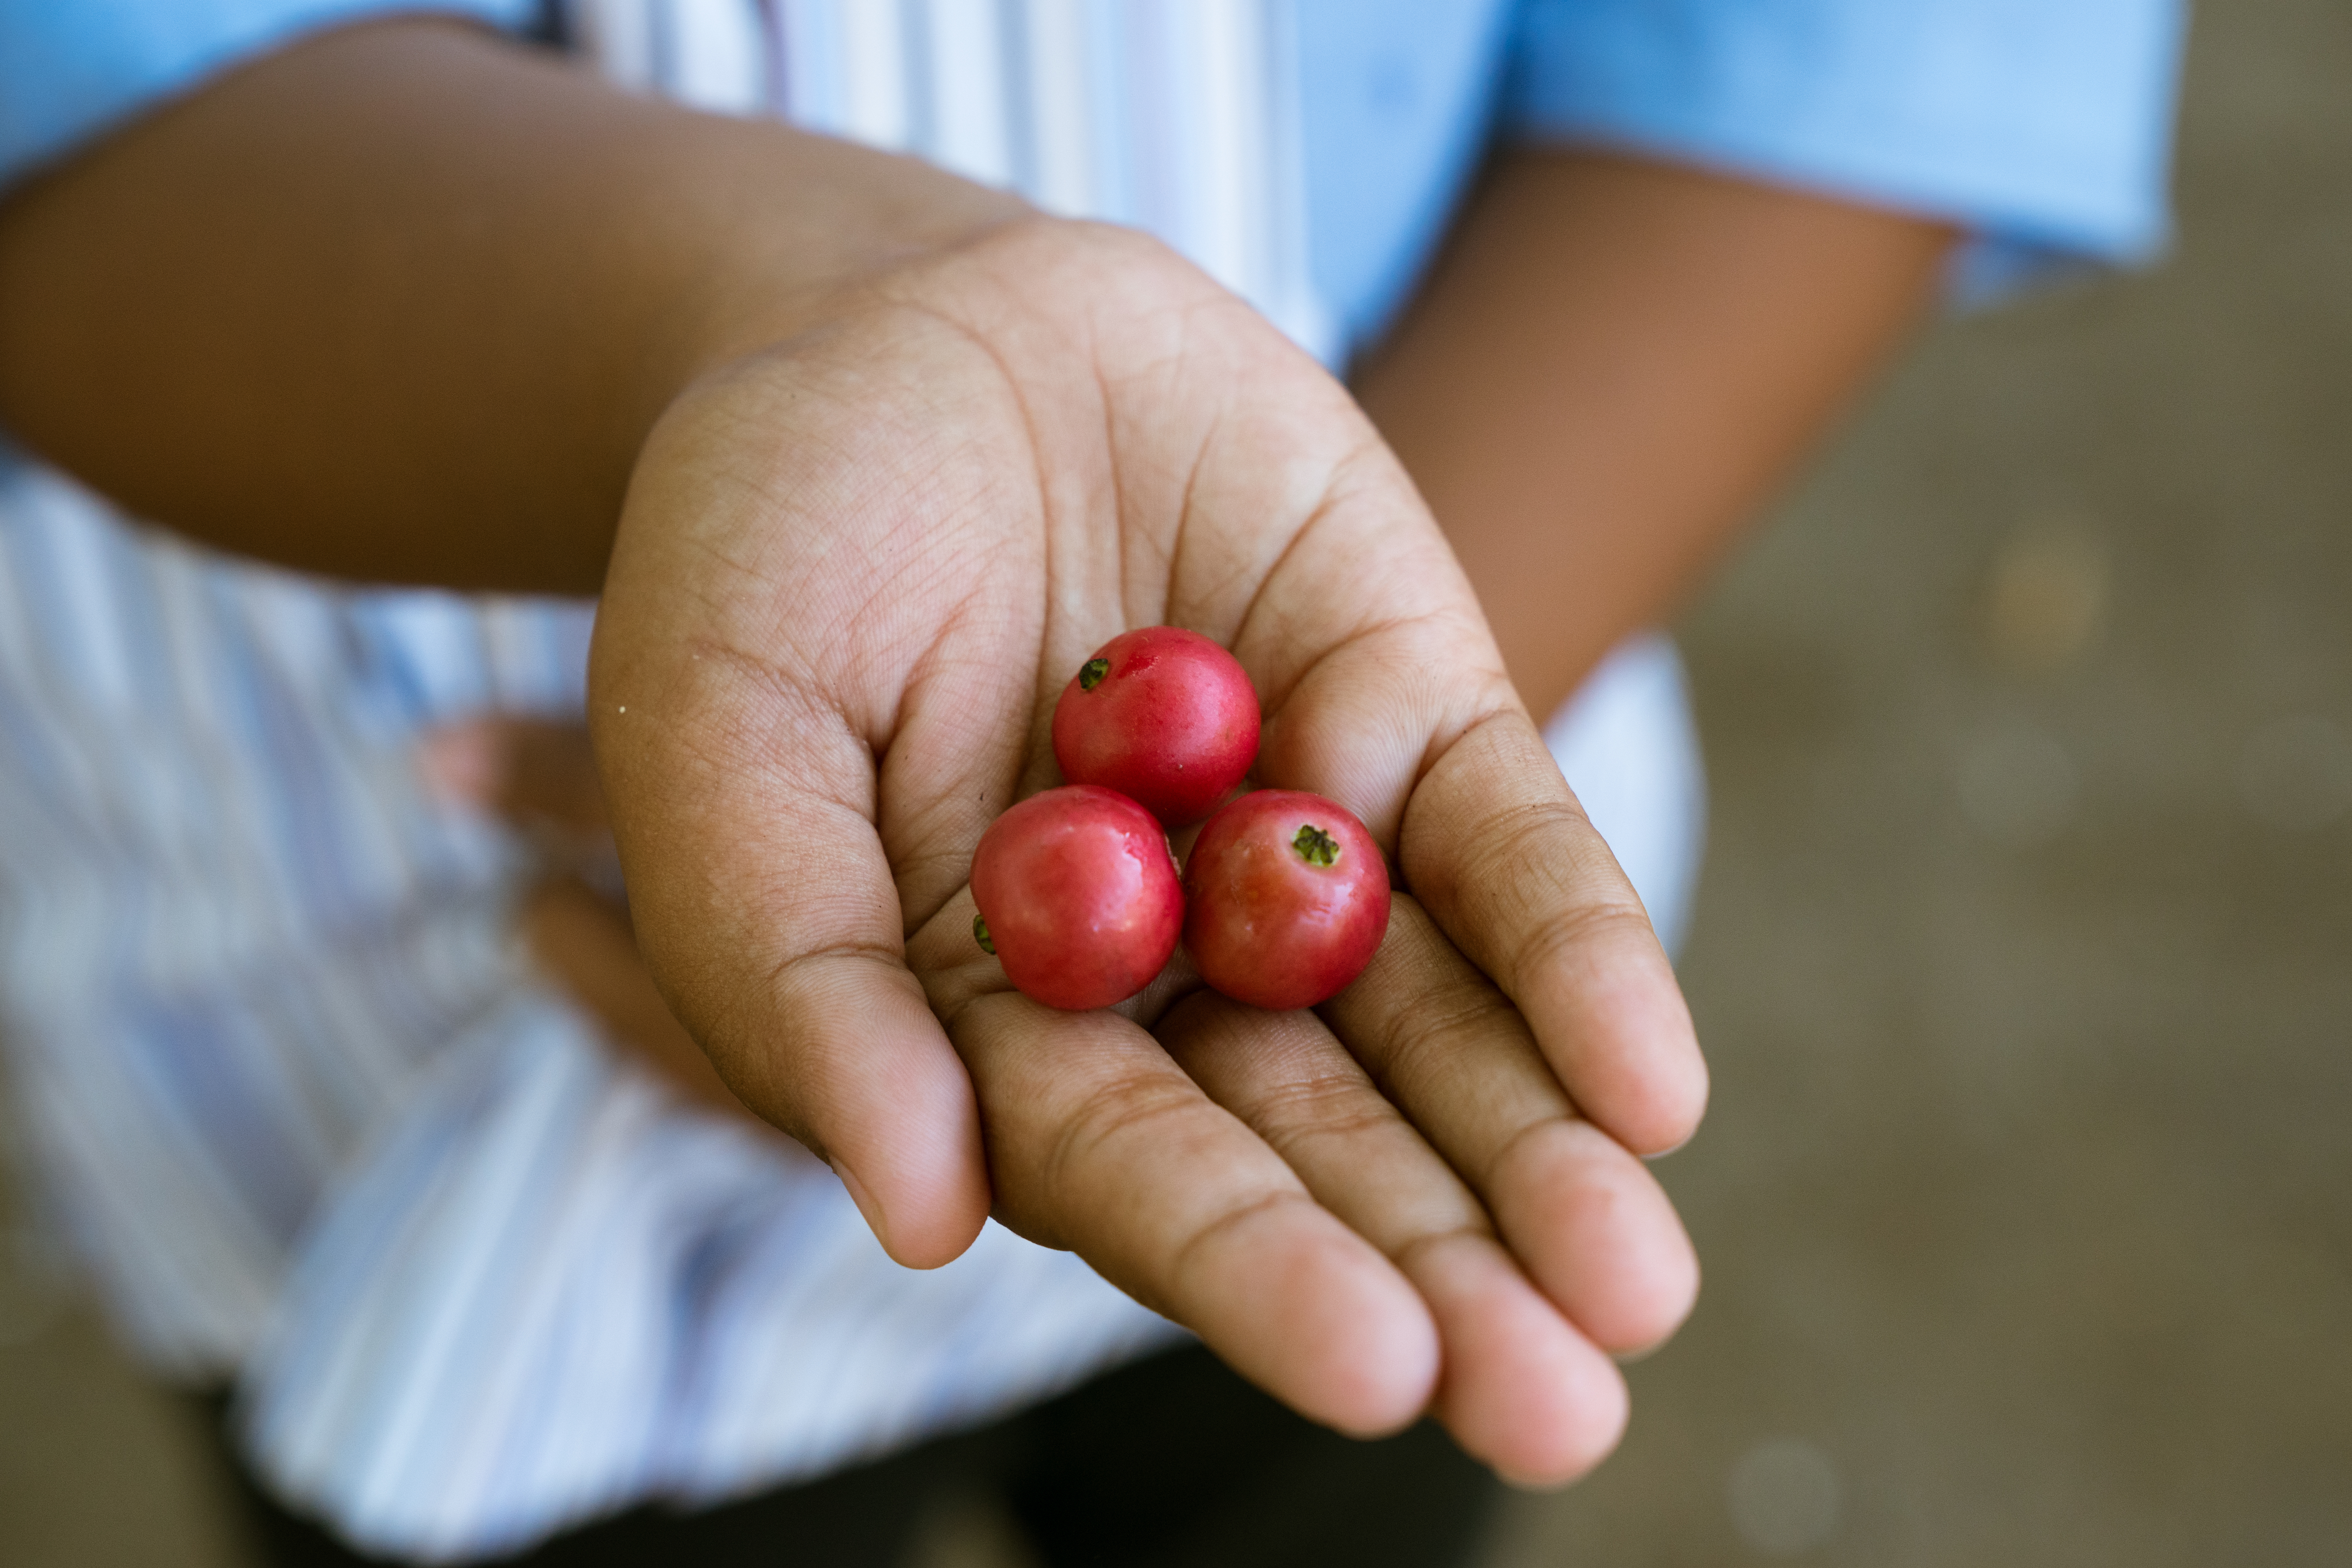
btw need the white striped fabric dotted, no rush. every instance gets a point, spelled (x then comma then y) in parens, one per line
(308, 1121)
(553, 1292)
(310, 1124)
(1178, 116)
(232, 927)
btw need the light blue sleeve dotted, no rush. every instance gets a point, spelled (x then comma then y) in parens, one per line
(2042, 126)
(70, 69)
(1397, 98)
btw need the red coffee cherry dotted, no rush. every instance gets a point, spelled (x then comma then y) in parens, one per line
(1078, 897)
(1162, 715)
(1287, 898)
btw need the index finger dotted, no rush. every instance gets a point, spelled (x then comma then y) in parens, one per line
(1496, 849)
(1384, 691)
(1402, 724)
(1099, 1142)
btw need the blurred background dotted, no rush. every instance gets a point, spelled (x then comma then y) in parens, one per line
(2023, 958)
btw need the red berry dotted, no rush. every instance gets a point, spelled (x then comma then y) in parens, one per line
(1078, 897)
(1287, 898)
(1162, 715)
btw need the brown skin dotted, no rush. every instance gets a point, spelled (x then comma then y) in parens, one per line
(1532, 361)
(1611, 369)
(1590, 307)
(444, 311)
(865, 460)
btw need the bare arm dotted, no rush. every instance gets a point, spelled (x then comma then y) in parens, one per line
(401, 302)
(1613, 366)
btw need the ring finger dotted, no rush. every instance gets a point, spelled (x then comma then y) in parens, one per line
(1519, 1387)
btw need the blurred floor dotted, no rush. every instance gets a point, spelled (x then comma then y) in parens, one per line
(2024, 958)
(97, 1470)
(2025, 954)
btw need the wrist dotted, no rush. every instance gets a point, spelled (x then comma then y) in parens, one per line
(749, 271)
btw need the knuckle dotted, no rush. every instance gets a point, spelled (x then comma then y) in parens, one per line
(1565, 1152)
(1224, 1222)
(1107, 1115)
(1426, 1044)
(1329, 1106)
(1417, 1252)
(1512, 843)
(1531, 1142)
(1553, 936)
(1500, 848)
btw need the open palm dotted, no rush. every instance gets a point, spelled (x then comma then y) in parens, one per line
(854, 573)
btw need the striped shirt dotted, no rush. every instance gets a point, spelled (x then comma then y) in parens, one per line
(294, 1098)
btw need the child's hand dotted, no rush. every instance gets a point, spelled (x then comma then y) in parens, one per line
(853, 573)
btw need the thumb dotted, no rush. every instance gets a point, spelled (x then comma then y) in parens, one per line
(767, 911)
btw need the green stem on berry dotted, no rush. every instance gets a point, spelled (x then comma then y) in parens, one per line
(1090, 673)
(1316, 846)
(980, 935)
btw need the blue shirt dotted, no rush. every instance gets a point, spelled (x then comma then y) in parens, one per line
(309, 1123)
(2043, 128)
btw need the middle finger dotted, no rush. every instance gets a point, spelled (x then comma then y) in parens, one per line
(1520, 1388)
(1098, 1143)
(1585, 1216)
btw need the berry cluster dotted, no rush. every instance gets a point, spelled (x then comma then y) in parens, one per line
(1285, 896)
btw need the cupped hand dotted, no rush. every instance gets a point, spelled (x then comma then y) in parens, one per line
(854, 570)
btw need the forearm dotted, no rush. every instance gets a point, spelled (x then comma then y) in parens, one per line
(1611, 369)
(401, 302)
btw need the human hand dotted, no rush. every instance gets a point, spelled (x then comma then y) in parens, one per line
(856, 568)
